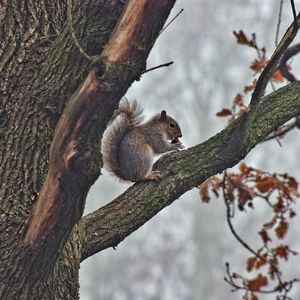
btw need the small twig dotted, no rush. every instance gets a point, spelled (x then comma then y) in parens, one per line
(261, 52)
(238, 238)
(230, 280)
(294, 11)
(72, 32)
(278, 23)
(171, 21)
(228, 217)
(288, 128)
(157, 67)
(273, 86)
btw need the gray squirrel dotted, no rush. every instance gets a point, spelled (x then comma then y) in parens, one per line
(128, 145)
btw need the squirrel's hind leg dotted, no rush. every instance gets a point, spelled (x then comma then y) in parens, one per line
(153, 176)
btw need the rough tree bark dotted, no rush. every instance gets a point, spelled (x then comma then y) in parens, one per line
(50, 145)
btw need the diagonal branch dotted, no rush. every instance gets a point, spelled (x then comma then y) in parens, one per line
(271, 66)
(283, 67)
(185, 170)
(74, 162)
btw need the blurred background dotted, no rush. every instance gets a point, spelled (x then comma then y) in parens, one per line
(181, 252)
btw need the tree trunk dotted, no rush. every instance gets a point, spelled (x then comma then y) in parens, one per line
(40, 69)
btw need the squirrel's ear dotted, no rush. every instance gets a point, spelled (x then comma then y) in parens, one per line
(163, 116)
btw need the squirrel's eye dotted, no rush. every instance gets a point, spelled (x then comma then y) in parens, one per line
(172, 125)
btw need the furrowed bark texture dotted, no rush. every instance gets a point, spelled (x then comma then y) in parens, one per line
(40, 69)
(182, 171)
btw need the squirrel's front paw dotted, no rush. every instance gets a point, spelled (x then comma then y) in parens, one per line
(177, 144)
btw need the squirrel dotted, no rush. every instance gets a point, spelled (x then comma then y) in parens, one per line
(128, 145)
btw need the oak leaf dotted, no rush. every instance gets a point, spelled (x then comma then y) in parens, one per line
(281, 229)
(277, 76)
(266, 184)
(282, 251)
(242, 39)
(224, 112)
(245, 170)
(258, 65)
(250, 263)
(264, 236)
(253, 297)
(238, 100)
(249, 88)
(293, 183)
(257, 283)
(203, 189)
(259, 263)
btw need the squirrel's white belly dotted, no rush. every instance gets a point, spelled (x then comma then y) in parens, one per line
(150, 153)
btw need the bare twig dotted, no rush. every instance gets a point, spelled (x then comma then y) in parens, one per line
(173, 19)
(294, 10)
(261, 52)
(278, 23)
(231, 280)
(295, 124)
(157, 67)
(228, 218)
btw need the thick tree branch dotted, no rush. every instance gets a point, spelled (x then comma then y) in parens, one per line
(75, 155)
(182, 171)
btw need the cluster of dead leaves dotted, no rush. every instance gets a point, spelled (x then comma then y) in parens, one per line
(257, 66)
(278, 191)
(259, 63)
(249, 183)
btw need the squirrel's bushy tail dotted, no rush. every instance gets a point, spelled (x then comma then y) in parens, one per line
(128, 115)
